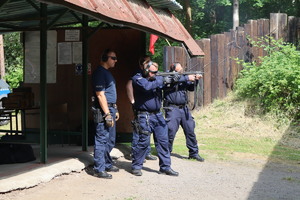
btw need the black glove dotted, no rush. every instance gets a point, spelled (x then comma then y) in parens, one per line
(168, 79)
(176, 78)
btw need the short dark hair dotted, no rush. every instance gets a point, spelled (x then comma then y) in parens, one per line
(104, 56)
(173, 66)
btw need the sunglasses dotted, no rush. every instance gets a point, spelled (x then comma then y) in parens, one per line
(154, 72)
(113, 57)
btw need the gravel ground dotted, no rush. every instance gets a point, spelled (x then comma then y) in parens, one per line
(255, 179)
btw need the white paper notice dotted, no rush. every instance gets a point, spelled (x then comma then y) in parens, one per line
(64, 53)
(72, 35)
(77, 52)
(32, 57)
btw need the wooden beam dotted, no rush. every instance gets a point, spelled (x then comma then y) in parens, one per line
(3, 3)
(57, 18)
(33, 5)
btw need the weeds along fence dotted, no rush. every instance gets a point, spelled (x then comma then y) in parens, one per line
(219, 67)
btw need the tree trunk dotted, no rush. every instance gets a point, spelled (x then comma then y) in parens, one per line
(2, 65)
(236, 19)
(188, 16)
(297, 5)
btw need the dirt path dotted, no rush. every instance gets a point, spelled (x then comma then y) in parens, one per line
(208, 180)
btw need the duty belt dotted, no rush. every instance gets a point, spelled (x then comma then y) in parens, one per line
(180, 106)
(148, 112)
(112, 105)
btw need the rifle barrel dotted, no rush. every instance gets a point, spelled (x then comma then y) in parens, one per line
(182, 73)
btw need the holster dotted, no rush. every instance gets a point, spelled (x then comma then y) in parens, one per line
(165, 103)
(97, 115)
(137, 128)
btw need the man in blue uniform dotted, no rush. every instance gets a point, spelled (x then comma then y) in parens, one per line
(147, 91)
(129, 89)
(105, 115)
(177, 113)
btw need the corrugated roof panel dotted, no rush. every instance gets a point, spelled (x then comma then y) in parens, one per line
(20, 15)
(137, 14)
(169, 4)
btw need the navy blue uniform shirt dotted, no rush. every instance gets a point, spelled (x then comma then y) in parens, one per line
(147, 93)
(176, 94)
(103, 80)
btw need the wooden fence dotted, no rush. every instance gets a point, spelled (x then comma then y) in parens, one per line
(219, 67)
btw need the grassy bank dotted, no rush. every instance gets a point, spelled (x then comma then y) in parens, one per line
(230, 130)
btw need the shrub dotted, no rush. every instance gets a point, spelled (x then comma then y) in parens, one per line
(13, 59)
(275, 82)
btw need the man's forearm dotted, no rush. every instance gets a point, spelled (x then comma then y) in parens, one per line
(103, 102)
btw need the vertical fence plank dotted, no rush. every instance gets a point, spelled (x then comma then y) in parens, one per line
(278, 25)
(206, 66)
(248, 53)
(180, 56)
(260, 36)
(221, 68)
(201, 83)
(283, 26)
(228, 43)
(266, 28)
(168, 57)
(294, 30)
(195, 65)
(233, 53)
(214, 67)
(241, 50)
(254, 36)
(274, 25)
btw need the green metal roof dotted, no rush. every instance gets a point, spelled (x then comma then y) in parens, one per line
(24, 15)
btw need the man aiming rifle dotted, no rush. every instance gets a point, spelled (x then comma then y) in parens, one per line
(176, 110)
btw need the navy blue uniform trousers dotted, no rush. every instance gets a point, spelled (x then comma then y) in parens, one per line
(105, 140)
(156, 124)
(135, 139)
(176, 116)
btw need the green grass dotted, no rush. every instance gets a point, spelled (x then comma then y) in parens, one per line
(225, 131)
(228, 130)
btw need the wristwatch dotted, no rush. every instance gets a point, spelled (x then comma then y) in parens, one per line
(105, 115)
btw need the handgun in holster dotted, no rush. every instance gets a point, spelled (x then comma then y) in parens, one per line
(97, 115)
(135, 126)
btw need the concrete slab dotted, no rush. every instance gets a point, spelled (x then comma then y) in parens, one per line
(61, 160)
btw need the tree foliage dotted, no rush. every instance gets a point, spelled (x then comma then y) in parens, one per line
(275, 83)
(215, 16)
(13, 53)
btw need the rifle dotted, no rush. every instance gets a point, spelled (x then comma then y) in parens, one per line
(178, 73)
(184, 73)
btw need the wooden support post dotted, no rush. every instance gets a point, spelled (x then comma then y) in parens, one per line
(2, 62)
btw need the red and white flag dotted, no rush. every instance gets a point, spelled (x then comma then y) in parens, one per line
(153, 39)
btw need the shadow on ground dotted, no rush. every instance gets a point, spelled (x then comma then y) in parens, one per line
(281, 180)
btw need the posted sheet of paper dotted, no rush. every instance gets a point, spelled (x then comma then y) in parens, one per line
(32, 57)
(64, 53)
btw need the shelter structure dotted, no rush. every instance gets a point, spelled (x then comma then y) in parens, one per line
(37, 18)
